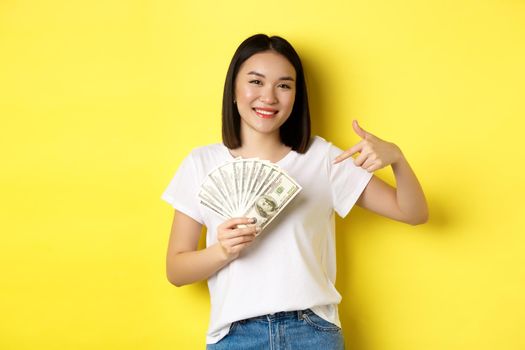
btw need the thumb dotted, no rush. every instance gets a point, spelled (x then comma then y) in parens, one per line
(358, 130)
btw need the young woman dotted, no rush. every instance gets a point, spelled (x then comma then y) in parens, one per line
(277, 290)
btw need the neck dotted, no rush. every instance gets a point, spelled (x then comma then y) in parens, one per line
(264, 146)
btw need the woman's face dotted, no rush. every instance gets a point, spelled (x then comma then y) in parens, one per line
(265, 91)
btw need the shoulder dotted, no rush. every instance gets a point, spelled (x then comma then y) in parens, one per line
(320, 145)
(205, 152)
(205, 158)
(317, 153)
(316, 143)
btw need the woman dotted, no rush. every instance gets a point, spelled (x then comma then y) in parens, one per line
(278, 290)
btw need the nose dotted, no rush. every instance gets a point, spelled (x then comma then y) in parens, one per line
(268, 96)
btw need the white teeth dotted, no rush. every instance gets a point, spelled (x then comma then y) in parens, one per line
(264, 112)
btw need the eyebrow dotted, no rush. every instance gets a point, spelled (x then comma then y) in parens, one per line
(262, 75)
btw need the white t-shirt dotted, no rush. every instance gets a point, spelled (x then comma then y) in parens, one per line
(291, 265)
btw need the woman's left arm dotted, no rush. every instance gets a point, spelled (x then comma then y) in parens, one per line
(405, 203)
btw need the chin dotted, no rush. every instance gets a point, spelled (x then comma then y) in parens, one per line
(263, 126)
(266, 131)
(267, 128)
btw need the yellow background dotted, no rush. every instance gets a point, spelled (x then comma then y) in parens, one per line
(101, 100)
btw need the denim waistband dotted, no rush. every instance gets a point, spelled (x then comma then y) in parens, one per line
(296, 314)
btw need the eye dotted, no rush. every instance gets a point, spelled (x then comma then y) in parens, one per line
(285, 86)
(255, 81)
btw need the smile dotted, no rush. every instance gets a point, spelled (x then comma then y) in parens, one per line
(265, 113)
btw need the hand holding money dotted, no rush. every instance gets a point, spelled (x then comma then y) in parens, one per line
(250, 188)
(233, 239)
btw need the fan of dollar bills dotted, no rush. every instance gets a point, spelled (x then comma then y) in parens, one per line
(248, 188)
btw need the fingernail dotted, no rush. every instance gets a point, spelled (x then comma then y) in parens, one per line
(258, 229)
(253, 220)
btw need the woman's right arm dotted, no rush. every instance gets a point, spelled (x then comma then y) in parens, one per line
(185, 264)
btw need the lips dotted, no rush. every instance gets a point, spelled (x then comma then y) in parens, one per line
(265, 113)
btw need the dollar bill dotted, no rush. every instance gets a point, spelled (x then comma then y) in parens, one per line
(250, 188)
(269, 202)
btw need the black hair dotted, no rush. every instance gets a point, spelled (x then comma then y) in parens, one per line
(295, 132)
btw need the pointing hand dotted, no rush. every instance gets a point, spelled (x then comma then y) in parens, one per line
(374, 153)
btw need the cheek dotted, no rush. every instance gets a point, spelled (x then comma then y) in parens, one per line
(246, 94)
(289, 98)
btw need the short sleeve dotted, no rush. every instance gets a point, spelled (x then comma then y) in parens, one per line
(182, 191)
(347, 182)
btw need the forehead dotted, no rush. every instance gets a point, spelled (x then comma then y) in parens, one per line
(269, 63)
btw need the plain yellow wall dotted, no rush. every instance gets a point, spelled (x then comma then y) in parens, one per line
(101, 100)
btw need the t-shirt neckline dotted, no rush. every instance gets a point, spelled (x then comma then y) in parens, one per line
(280, 162)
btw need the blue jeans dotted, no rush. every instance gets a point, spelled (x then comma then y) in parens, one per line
(301, 330)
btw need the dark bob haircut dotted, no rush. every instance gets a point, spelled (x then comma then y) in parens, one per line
(295, 132)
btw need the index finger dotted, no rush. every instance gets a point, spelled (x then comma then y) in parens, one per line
(349, 152)
(237, 221)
